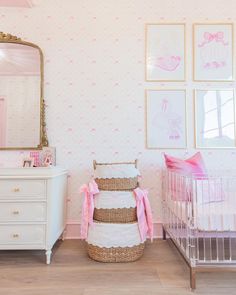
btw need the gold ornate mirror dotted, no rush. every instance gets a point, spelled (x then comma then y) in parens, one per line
(22, 108)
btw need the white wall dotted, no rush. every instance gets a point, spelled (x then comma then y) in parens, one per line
(94, 81)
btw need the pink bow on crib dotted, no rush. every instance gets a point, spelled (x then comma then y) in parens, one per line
(144, 214)
(208, 37)
(89, 191)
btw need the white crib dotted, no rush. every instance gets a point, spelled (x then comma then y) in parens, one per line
(200, 218)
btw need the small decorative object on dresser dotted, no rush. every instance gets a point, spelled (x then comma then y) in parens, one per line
(32, 208)
(48, 156)
(28, 162)
(36, 158)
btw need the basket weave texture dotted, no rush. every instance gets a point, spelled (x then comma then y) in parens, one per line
(115, 254)
(120, 215)
(117, 184)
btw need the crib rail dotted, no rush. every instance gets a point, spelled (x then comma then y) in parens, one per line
(200, 215)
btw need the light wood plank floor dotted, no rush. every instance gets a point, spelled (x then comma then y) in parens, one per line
(160, 271)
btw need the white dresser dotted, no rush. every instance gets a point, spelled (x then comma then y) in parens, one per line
(32, 208)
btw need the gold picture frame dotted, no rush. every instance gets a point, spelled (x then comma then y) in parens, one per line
(173, 120)
(211, 57)
(218, 140)
(168, 63)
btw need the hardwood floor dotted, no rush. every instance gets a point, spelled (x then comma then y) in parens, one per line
(160, 271)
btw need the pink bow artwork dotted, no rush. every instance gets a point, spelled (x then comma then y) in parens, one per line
(217, 37)
(89, 192)
(144, 214)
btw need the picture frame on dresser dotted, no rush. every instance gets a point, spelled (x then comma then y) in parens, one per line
(213, 52)
(28, 162)
(165, 52)
(166, 119)
(215, 118)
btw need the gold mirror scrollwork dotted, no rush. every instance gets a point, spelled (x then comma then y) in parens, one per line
(43, 140)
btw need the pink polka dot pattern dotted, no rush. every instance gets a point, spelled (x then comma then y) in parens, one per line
(94, 82)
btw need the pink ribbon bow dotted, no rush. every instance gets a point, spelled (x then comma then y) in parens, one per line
(208, 37)
(144, 214)
(89, 192)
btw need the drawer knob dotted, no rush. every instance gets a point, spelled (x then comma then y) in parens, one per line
(16, 236)
(16, 190)
(16, 212)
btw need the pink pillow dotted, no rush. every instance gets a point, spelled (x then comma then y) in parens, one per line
(193, 165)
(180, 188)
(208, 190)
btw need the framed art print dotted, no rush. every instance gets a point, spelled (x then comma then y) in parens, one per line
(215, 118)
(213, 52)
(166, 119)
(165, 52)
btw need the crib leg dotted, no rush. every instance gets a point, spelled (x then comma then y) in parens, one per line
(163, 233)
(192, 278)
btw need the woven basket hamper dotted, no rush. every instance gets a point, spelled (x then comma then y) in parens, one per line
(115, 242)
(117, 183)
(120, 215)
(115, 254)
(115, 236)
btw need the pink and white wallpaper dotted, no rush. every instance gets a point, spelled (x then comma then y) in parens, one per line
(95, 82)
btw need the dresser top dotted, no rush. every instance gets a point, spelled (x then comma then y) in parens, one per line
(35, 172)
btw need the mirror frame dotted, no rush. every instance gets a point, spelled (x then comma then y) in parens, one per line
(8, 38)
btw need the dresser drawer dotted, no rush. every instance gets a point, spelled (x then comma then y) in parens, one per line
(22, 234)
(20, 188)
(21, 212)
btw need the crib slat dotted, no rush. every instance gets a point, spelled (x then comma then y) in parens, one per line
(202, 224)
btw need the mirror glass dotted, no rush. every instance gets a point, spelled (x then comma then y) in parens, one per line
(20, 96)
